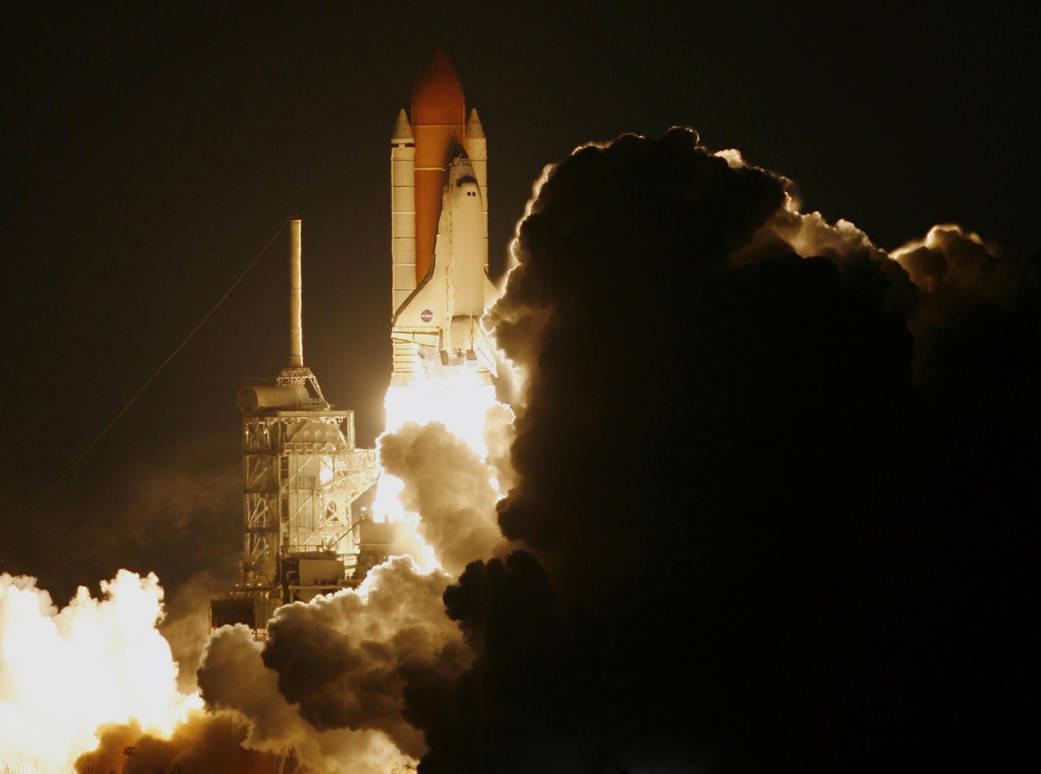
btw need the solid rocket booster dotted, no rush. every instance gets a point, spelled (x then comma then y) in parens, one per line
(439, 225)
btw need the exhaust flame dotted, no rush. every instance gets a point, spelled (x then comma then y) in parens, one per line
(64, 673)
(458, 398)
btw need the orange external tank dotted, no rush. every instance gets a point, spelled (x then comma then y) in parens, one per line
(439, 124)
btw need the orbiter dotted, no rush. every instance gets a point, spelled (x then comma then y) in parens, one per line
(439, 228)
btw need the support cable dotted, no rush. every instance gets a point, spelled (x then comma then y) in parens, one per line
(104, 431)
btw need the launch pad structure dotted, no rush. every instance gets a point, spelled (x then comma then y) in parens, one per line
(301, 470)
(301, 475)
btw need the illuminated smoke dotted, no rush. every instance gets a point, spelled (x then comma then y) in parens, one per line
(329, 685)
(444, 480)
(186, 623)
(234, 677)
(341, 677)
(445, 463)
(951, 259)
(329, 682)
(459, 399)
(64, 673)
(204, 742)
(740, 448)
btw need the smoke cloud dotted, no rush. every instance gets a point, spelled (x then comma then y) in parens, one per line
(233, 677)
(330, 681)
(186, 624)
(449, 486)
(755, 523)
(203, 743)
(771, 497)
(348, 681)
(64, 673)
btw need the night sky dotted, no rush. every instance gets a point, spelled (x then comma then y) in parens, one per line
(152, 151)
(774, 508)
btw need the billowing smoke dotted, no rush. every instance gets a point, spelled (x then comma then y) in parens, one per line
(449, 485)
(330, 681)
(950, 260)
(64, 673)
(234, 678)
(186, 624)
(498, 439)
(775, 493)
(769, 504)
(204, 742)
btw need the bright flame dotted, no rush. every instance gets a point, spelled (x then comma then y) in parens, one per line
(64, 673)
(459, 398)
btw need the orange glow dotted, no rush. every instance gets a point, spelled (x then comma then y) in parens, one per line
(65, 672)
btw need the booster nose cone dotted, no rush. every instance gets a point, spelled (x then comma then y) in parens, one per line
(437, 96)
(402, 132)
(474, 130)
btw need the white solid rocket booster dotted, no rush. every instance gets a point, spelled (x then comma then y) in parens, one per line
(402, 211)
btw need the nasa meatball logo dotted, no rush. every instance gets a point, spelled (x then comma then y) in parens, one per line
(426, 315)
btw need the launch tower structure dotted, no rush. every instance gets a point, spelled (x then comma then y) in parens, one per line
(302, 472)
(301, 476)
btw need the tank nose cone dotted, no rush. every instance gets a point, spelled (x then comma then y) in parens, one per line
(437, 96)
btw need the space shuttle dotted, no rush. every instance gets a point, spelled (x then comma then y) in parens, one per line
(439, 229)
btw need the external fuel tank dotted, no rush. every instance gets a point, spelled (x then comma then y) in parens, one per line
(439, 126)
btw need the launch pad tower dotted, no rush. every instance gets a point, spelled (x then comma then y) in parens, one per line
(302, 474)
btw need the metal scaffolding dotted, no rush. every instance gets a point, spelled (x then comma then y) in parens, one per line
(301, 476)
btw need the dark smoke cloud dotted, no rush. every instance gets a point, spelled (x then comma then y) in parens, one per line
(234, 679)
(977, 328)
(339, 657)
(753, 539)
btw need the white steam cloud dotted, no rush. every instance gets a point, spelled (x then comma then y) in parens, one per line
(65, 672)
(329, 681)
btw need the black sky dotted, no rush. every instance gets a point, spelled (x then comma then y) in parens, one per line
(152, 151)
